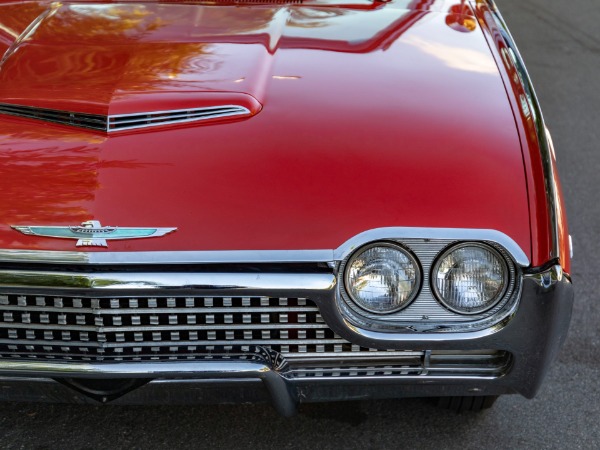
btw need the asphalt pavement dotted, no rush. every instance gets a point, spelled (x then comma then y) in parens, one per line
(560, 42)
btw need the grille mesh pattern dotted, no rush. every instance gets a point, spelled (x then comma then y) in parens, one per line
(96, 329)
(49, 328)
(482, 363)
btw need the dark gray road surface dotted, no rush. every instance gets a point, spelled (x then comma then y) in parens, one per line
(560, 41)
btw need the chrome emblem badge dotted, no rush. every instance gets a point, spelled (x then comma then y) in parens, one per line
(91, 233)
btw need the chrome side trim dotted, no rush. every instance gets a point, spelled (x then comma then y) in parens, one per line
(544, 139)
(267, 256)
(124, 281)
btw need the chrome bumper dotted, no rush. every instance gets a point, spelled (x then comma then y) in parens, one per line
(532, 335)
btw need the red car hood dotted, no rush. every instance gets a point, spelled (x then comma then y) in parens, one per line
(370, 115)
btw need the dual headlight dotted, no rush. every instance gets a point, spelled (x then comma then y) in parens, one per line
(467, 278)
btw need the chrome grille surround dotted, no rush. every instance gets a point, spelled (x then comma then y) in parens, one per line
(122, 122)
(116, 297)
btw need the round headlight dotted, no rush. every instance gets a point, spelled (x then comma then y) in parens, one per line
(470, 278)
(382, 278)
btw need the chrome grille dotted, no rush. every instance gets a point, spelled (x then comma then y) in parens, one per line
(123, 121)
(110, 329)
(478, 363)
(155, 328)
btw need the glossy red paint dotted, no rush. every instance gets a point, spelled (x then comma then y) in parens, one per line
(370, 118)
(14, 19)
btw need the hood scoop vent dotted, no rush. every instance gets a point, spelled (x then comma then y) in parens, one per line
(123, 122)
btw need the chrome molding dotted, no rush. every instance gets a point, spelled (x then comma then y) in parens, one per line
(166, 257)
(147, 369)
(268, 256)
(123, 122)
(458, 234)
(124, 281)
(544, 139)
(283, 400)
(154, 118)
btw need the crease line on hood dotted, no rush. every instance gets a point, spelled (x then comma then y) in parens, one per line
(29, 31)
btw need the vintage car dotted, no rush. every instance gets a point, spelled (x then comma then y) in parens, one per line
(274, 200)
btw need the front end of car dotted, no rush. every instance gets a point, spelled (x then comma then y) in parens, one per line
(392, 313)
(266, 244)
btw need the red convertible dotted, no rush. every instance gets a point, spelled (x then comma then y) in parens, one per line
(274, 200)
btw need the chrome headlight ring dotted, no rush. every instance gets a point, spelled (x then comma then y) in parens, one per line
(382, 278)
(469, 278)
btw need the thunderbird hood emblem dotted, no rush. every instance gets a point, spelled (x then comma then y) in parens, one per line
(91, 233)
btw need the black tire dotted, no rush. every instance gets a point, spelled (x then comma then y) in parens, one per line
(467, 403)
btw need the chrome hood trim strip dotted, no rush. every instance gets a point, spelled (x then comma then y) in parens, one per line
(122, 122)
(267, 256)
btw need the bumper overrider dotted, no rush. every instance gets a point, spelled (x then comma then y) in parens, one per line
(214, 327)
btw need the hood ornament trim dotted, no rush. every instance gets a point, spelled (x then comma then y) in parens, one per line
(92, 233)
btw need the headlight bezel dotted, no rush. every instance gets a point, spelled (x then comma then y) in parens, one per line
(506, 278)
(425, 313)
(419, 277)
